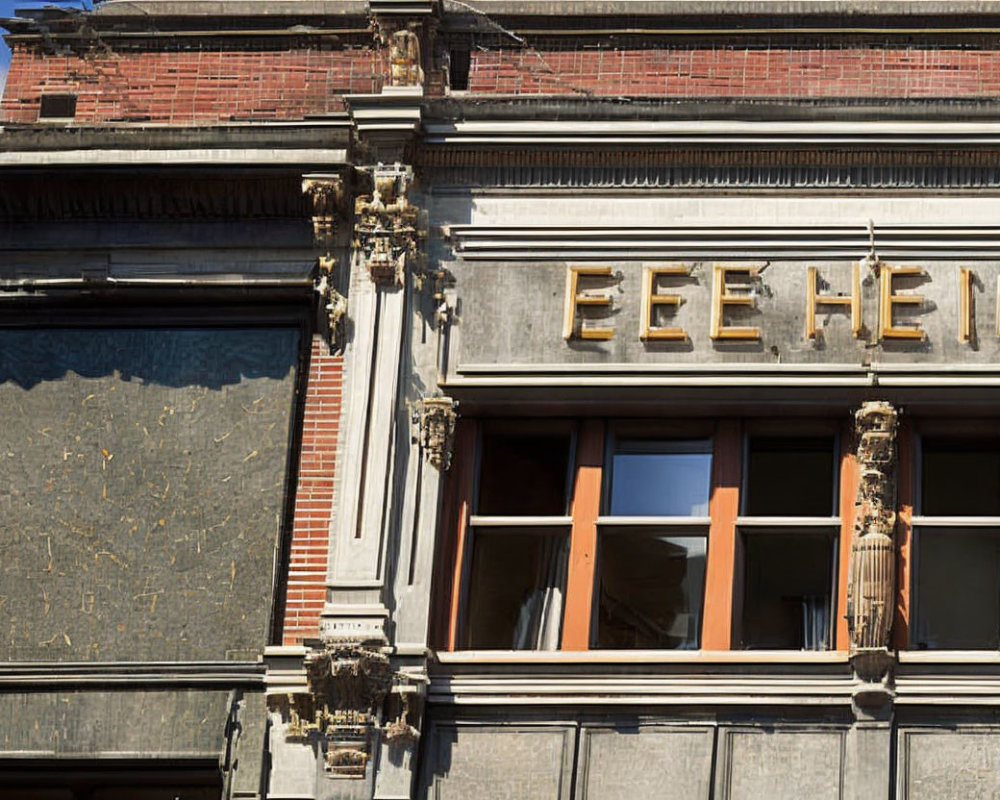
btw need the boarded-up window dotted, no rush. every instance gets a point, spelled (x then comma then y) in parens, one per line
(142, 483)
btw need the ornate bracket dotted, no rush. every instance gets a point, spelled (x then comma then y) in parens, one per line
(327, 195)
(348, 682)
(437, 417)
(341, 711)
(872, 583)
(388, 228)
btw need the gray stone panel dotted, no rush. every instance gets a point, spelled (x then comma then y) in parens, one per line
(512, 313)
(647, 762)
(125, 723)
(781, 764)
(942, 764)
(499, 762)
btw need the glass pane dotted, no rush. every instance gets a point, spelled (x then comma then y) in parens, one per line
(651, 591)
(960, 478)
(516, 590)
(790, 477)
(523, 475)
(957, 589)
(661, 479)
(787, 590)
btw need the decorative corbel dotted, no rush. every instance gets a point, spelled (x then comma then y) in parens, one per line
(347, 684)
(437, 417)
(327, 195)
(871, 592)
(388, 227)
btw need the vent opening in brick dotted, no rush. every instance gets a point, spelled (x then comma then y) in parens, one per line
(459, 61)
(57, 106)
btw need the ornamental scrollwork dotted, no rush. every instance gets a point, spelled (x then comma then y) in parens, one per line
(388, 227)
(437, 417)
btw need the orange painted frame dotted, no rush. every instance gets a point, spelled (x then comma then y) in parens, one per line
(847, 494)
(584, 508)
(905, 491)
(723, 508)
(459, 503)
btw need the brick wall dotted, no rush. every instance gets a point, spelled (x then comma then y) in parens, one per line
(306, 587)
(190, 87)
(870, 71)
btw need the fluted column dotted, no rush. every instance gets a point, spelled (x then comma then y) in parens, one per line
(872, 582)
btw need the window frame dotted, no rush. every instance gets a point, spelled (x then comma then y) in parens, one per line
(833, 526)
(590, 463)
(915, 522)
(608, 524)
(476, 521)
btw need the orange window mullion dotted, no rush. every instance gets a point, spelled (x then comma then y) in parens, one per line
(584, 508)
(848, 492)
(462, 484)
(904, 535)
(723, 507)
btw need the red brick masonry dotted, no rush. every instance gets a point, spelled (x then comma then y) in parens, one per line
(189, 87)
(306, 590)
(740, 72)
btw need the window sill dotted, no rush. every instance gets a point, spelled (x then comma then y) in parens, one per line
(788, 522)
(482, 521)
(949, 657)
(645, 657)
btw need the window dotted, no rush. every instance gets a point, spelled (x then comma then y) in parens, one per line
(520, 538)
(660, 478)
(652, 545)
(687, 534)
(601, 535)
(788, 543)
(956, 585)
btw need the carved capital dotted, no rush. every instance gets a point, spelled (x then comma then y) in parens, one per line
(388, 227)
(327, 195)
(437, 417)
(872, 583)
(347, 684)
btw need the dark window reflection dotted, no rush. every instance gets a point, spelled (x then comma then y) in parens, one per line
(523, 475)
(516, 589)
(960, 478)
(787, 590)
(957, 589)
(651, 590)
(790, 476)
(661, 478)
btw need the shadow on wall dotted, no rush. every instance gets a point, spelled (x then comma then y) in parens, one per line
(209, 358)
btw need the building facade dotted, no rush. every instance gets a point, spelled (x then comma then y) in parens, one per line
(409, 399)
